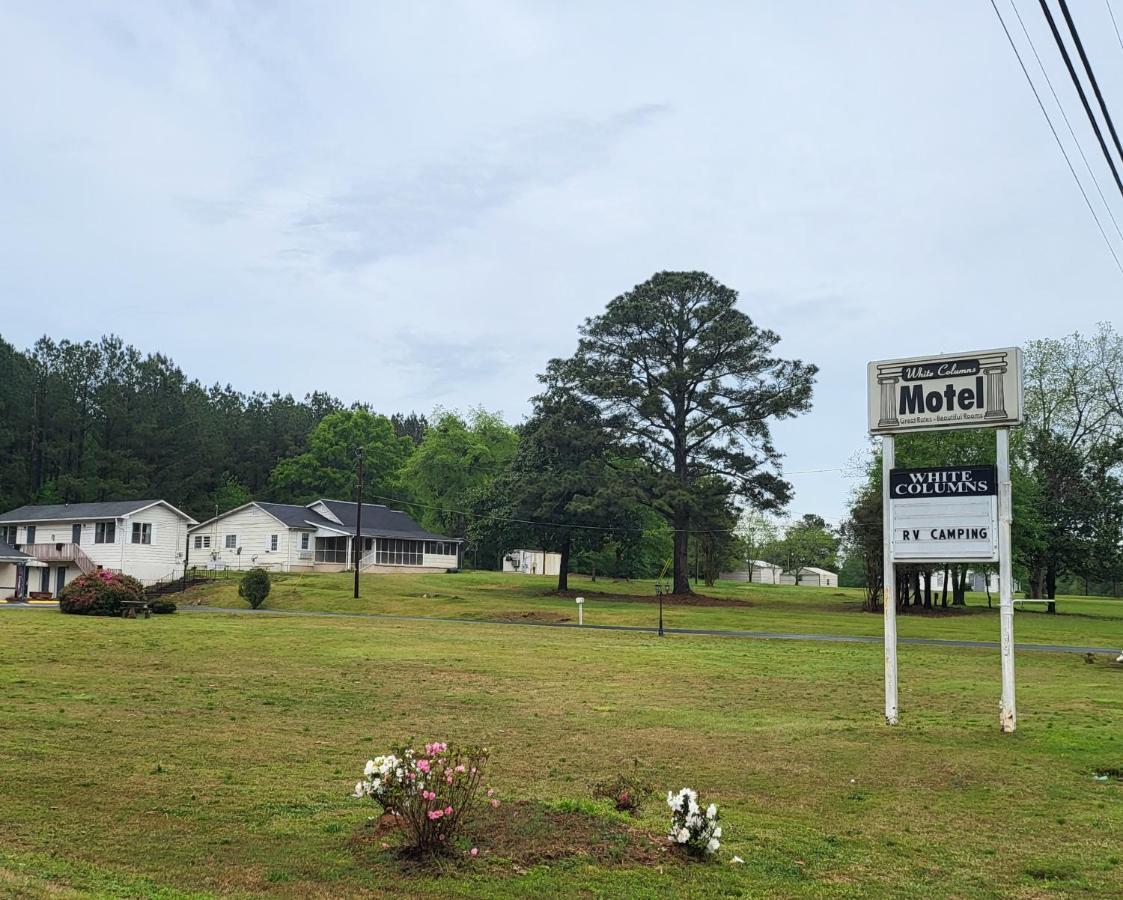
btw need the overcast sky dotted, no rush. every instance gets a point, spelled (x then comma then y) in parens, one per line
(416, 204)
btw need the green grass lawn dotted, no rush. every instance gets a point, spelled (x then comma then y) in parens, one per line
(491, 595)
(197, 755)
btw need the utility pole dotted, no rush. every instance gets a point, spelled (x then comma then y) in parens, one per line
(359, 525)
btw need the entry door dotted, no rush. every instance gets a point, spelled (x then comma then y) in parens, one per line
(75, 534)
(60, 579)
(45, 580)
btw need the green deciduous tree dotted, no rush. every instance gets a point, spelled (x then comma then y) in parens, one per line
(807, 542)
(690, 385)
(456, 460)
(328, 468)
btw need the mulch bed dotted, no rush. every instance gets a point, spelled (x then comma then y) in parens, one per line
(675, 599)
(526, 833)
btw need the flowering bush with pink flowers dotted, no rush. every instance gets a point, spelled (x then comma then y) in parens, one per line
(431, 791)
(101, 593)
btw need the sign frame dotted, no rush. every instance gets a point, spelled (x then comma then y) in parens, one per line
(955, 498)
(994, 399)
(976, 389)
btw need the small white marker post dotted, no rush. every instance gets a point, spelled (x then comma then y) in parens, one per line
(1008, 718)
(889, 584)
(580, 610)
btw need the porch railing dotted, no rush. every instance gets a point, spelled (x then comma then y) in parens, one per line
(67, 553)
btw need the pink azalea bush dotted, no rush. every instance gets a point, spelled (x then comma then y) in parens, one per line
(431, 791)
(99, 594)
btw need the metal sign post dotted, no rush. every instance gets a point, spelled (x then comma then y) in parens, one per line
(889, 582)
(1008, 719)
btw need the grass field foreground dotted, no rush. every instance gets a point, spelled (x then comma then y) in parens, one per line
(199, 755)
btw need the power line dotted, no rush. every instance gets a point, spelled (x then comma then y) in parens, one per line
(1056, 136)
(1080, 90)
(1064, 115)
(1114, 24)
(1091, 75)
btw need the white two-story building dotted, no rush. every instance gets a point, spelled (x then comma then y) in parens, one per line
(143, 538)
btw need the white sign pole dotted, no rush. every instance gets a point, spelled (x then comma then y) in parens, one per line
(1008, 719)
(889, 583)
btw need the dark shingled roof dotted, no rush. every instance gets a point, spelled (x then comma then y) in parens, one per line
(378, 521)
(64, 512)
(9, 553)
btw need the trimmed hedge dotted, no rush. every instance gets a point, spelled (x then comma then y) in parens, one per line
(160, 607)
(254, 587)
(100, 593)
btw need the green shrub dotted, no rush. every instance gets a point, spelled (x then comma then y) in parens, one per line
(161, 607)
(627, 791)
(100, 593)
(254, 587)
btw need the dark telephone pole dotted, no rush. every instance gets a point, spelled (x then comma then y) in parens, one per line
(359, 525)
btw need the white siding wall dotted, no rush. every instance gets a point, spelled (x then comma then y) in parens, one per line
(295, 560)
(252, 529)
(438, 561)
(162, 558)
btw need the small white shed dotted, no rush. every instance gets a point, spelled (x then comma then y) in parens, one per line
(532, 562)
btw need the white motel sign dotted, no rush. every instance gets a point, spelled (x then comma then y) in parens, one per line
(947, 513)
(982, 389)
(951, 513)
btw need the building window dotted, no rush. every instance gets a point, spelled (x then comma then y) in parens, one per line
(142, 533)
(231, 541)
(8, 534)
(272, 543)
(31, 534)
(399, 552)
(304, 538)
(440, 548)
(105, 532)
(202, 541)
(331, 549)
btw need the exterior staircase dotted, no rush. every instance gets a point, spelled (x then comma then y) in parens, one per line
(61, 553)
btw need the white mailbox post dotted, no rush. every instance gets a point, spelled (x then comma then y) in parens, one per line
(580, 610)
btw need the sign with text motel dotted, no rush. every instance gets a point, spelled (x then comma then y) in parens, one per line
(979, 389)
(945, 514)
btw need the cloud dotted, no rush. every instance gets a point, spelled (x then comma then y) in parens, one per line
(403, 212)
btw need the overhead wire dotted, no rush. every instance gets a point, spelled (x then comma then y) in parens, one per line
(1057, 137)
(1064, 115)
(1091, 75)
(1079, 90)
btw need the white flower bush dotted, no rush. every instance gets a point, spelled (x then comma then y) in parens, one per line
(692, 828)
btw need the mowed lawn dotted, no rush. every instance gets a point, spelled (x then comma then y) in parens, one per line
(1084, 621)
(205, 753)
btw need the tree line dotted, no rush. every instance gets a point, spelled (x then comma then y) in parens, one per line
(639, 454)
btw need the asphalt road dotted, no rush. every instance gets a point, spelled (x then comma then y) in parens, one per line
(710, 632)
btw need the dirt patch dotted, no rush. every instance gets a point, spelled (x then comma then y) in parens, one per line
(526, 833)
(668, 599)
(531, 615)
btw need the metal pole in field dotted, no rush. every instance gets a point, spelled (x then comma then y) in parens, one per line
(889, 581)
(1008, 718)
(359, 525)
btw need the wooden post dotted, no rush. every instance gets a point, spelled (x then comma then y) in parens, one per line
(889, 583)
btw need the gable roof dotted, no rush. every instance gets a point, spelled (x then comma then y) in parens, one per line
(378, 521)
(71, 512)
